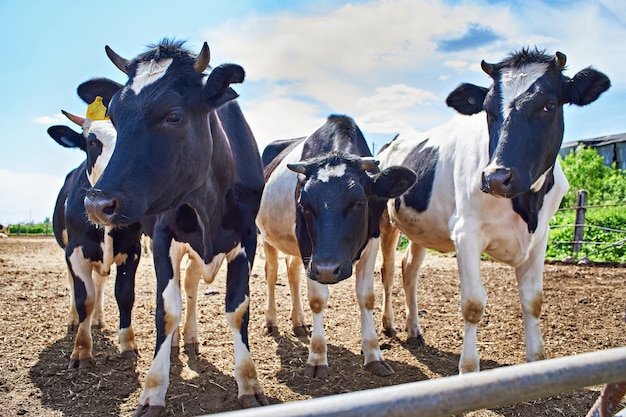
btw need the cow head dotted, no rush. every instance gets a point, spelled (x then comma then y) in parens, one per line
(166, 134)
(98, 137)
(524, 109)
(339, 203)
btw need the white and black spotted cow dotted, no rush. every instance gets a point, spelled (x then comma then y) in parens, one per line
(489, 182)
(327, 217)
(186, 155)
(91, 251)
(4, 231)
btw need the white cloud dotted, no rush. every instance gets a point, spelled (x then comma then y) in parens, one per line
(397, 96)
(48, 120)
(27, 196)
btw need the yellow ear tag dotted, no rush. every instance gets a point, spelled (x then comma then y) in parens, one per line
(96, 110)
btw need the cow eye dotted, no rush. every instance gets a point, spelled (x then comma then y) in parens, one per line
(358, 205)
(174, 118)
(306, 210)
(549, 107)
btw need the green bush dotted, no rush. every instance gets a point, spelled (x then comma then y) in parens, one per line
(585, 170)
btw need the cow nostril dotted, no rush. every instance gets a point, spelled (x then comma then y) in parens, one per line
(337, 271)
(110, 209)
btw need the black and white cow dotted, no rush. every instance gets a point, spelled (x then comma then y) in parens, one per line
(185, 154)
(489, 182)
(322, 204)
(90, 251)
(4, 231)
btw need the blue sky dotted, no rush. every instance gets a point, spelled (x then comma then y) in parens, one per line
(388, 64)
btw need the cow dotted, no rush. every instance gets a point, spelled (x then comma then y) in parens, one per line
(90, 250)
(186, 155)
(321, 207)
(4, 231)
(489, 182)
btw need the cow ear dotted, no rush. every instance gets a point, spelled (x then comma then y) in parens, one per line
(217, 89)
(103, 87)
(393, 181)
(586, 86)
(67, 137)
(467, 99)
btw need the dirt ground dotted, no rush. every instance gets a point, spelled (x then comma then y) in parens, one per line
(583, 309)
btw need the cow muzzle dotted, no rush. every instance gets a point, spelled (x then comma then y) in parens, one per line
(328, 271)
(101, 208)
(497, 182)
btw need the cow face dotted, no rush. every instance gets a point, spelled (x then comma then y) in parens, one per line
(97, 141)
(338, 206)
(524, 109)
(166, 132)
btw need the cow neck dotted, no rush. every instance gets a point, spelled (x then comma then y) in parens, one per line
(209, 202)
(528, 204)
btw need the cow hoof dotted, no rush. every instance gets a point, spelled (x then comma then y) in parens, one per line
(148, 410)
(302, 332)
(272, 331)
(390, 332)
(380, 368)
(129, 354)
(253, 400)
(174, 352)
(82, 363)
(192, 350)
(317, 372)
(416, 341)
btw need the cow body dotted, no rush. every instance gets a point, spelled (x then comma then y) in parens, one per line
(487, 184)
(321, 207)
(4, 231)
(91, 251)
(185, 155)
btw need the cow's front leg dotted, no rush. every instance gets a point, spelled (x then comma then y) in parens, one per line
(250, 393)
(388, 242)
(193, 273)
(411, 263)
(473, 295)
(317, 363)
(125, 297)
(167, 319)
(85, 298)
(530, 283)
(373, 357)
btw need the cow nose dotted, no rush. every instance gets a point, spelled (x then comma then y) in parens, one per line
(497, 181)
(100, 208)
(326, 271)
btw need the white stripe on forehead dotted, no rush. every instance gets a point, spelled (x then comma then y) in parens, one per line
(515, 81)
(148, 73)
(325, 173)
(107, 135)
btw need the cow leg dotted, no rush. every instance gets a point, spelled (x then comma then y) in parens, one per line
(250, 393)
(85, 295)
(413, 258)
(374, 360)
(473, 294)
(125, 297)
(294, 271)
(167, 319)
(317, 363)
(271, 276)
(190, 328)
(530, 283)
(388, 242)
(72, 316)
(97, 318)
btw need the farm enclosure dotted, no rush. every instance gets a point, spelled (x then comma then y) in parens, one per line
(583, 309)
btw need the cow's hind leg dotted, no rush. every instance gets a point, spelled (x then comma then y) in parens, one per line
(85, 295)
(97, 318)
(271, 276)
(373, 357)
(193, 274)
(294, 272)
(388, 242)
(72, 316)
(413, 258)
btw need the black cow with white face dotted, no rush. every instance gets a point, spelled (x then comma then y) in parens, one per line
(186, 155)
(91, 250)
(322, 204)
(489, 182)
